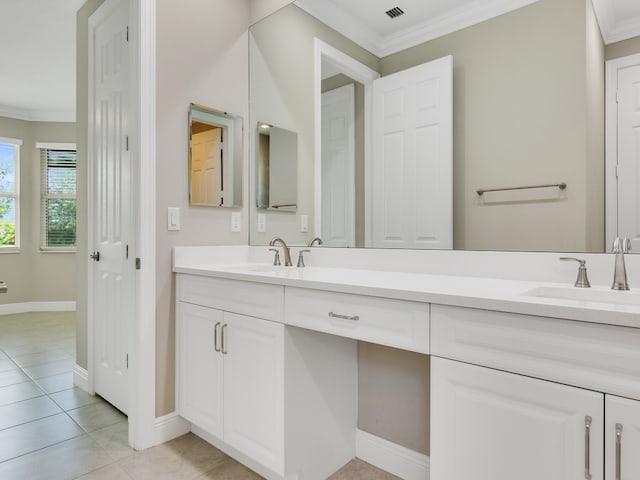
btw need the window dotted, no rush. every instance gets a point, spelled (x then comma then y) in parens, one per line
(9, 193)
(58, 198)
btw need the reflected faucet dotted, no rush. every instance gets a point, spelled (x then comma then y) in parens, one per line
(287, 255)
(315, 241)
(620, 247)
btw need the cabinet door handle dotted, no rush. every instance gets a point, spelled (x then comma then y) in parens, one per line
(587, 447)
(215, 337)
(224, 340)
(344, 317)
(618, 451)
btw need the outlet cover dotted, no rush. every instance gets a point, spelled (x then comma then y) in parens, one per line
(261, 224)
(235, 222)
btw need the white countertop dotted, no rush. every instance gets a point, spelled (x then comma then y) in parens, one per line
(505, 295)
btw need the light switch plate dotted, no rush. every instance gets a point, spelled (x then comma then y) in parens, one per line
(235, 222)
(304, 223)
(261, 223)
(173, 218)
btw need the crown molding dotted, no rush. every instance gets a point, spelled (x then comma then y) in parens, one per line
(381, 46)
(612, 29)
(37, 115)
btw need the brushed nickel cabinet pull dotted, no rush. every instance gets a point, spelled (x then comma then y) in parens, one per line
(224, 340)
(215, 337)
(587, 447)
(618, 451)
(345, 317)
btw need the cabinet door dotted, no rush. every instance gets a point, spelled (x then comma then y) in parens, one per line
(200, 367)
(254, 388)
(491, 425)
(622, 438)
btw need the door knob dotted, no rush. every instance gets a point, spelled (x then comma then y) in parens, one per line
(95, 256)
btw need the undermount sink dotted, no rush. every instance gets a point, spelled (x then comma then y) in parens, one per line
(586, 295)
(258, 268)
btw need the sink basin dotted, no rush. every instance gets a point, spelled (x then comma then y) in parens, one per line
(586, 295)
(257, 268)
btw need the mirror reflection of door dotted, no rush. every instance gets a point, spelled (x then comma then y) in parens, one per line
(206, 164)
(338, 167)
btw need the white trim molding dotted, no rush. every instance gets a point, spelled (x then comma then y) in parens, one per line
(170, 426)
(26, 307)
(615, 28)
(81, 377)
(37, 115)
(56, 145)
(391, 457)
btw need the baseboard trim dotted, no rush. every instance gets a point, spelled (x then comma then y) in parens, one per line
(81, 377)
(391, 457)
(170, 426)
(26, 307)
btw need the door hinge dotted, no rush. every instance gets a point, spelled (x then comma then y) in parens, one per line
(127, 33)
(138, 263)
(617, 171)
(127, 361)
(126, 252)
(127, 143)
(617, 96)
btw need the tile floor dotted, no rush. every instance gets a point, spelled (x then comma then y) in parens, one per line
(50, 430)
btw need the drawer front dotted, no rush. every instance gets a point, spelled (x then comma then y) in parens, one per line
(396, 323)
(599, 357)
(246, 298)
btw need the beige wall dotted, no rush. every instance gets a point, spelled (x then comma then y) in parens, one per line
(82, 102)
(31, 275)
(259, 9)
(520, 118)
(281, 94)
(622, 49)
(202, 57)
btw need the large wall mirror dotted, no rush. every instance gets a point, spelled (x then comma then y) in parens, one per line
(528, 109)
(215, 157)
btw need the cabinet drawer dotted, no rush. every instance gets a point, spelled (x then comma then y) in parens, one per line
(599, 357)
(246, 298)
(396, 323)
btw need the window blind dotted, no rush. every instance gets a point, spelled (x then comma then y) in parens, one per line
(58, 199)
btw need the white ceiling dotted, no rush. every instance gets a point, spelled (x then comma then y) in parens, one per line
(37, 39)
(38, 59)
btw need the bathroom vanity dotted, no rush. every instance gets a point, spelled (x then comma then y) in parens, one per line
(529, 379)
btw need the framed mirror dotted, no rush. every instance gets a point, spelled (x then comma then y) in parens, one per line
(215, 157)
(277, 168)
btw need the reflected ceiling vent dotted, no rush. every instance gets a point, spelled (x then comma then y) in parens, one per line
(395, 12)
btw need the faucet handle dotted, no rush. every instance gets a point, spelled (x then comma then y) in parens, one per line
(301, 258)
(621, 245)
(276, 259)
(582, 281)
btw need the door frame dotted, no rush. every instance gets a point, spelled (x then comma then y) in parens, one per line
(611, 143)
(142, 145)
(364, 75)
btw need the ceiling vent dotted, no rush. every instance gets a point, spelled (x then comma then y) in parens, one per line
(395, 12)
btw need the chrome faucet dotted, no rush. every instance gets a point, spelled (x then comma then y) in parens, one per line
(620, 247)
(285, 250)
(315, 241)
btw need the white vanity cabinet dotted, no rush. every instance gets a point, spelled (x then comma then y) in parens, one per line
(516, 396)
(231, 385)
(236, 374)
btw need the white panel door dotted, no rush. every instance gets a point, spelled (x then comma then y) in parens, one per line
(205, 167)
(338, 167)
(200, 367)
(622, 438)
(253, 352)
(111, 215)
(412, 171)
(491, 425)
(629, 155)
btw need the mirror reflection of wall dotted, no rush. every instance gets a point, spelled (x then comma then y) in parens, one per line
(277, 168)
(528, 97)
(215, 158)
